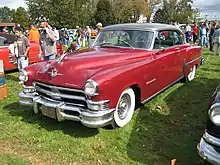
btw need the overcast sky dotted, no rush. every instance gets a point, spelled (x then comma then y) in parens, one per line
(207, 7)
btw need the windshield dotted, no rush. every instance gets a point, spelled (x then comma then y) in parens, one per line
(125, 38)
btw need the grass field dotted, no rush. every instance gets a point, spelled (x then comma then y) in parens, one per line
(154, 137)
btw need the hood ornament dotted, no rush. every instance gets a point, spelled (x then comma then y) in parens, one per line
(54, 73)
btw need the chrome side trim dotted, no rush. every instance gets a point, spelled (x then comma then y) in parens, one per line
(148, 99)
(198, 58)
(211, 139)
(151, 81)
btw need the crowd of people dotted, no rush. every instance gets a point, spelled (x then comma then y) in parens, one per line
(47, 38)
(205, 35)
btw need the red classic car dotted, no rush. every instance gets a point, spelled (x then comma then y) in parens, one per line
(129, 64)
(10, 60)
(209, 145)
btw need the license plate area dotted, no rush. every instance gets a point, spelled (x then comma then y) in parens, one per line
(49, 112)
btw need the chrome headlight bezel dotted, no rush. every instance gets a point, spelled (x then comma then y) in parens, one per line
(91, 88)
(23, 75)
(214, 114)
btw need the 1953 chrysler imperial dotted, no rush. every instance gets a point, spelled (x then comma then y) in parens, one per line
(209, 145)
(129, 64)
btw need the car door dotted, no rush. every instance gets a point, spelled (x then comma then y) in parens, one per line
(164, 55)
(180, 50)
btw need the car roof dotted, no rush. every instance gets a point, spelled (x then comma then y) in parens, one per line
(141, 26)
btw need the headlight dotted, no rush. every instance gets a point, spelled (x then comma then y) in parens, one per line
(23, 75)
(91, 88)
(214, 113)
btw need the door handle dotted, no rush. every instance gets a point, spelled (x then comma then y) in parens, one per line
(177, 50)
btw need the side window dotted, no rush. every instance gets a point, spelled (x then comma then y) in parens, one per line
(2, 42)
(142, 39)
(178, 38)
(164, 39)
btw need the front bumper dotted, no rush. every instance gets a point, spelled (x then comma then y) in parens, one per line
(89, 118)
(208, 148)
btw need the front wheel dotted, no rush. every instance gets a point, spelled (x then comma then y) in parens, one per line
(125, 108)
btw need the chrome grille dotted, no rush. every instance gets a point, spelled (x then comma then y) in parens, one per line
(69, 96)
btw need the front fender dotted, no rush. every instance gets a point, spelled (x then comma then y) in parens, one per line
(114, 81)
(32, 71)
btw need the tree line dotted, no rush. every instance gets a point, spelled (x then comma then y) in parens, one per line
(72, 13)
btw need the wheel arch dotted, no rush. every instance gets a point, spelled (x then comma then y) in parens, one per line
(137, 91)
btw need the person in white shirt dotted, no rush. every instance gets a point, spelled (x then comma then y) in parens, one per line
(88, 35)
(188, 33)
(57, 34)
(203, 36)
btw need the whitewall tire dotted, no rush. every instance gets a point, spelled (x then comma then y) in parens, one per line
(192, 73)
(125, 108)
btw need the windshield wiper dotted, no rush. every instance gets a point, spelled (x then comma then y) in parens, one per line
(105, 44)
(125, 42)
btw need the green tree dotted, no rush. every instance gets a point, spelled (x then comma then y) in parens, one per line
(20, 16)
(68, 13)
(36, 8)
(160, 16)
(175, 11)
(122, 10)
(104, 13)
(152, 5)
(196, 15)
(5, 15)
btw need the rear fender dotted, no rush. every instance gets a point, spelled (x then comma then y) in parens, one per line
(193, 57)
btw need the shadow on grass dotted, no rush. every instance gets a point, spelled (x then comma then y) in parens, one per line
(74, 129)
(157, 137)
(10, 77)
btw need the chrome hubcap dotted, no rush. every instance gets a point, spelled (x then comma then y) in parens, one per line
(124, 106)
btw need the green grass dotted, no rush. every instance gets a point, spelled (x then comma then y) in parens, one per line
(153, 137)
(11, 160)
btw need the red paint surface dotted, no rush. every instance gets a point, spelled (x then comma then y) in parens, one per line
(115, 69)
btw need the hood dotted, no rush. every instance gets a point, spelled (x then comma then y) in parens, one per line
(75, 69)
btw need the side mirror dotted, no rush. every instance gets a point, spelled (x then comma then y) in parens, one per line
(161, 49)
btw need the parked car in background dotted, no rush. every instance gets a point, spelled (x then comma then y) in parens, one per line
(209, 145)
(9, 58)
(128, 65)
